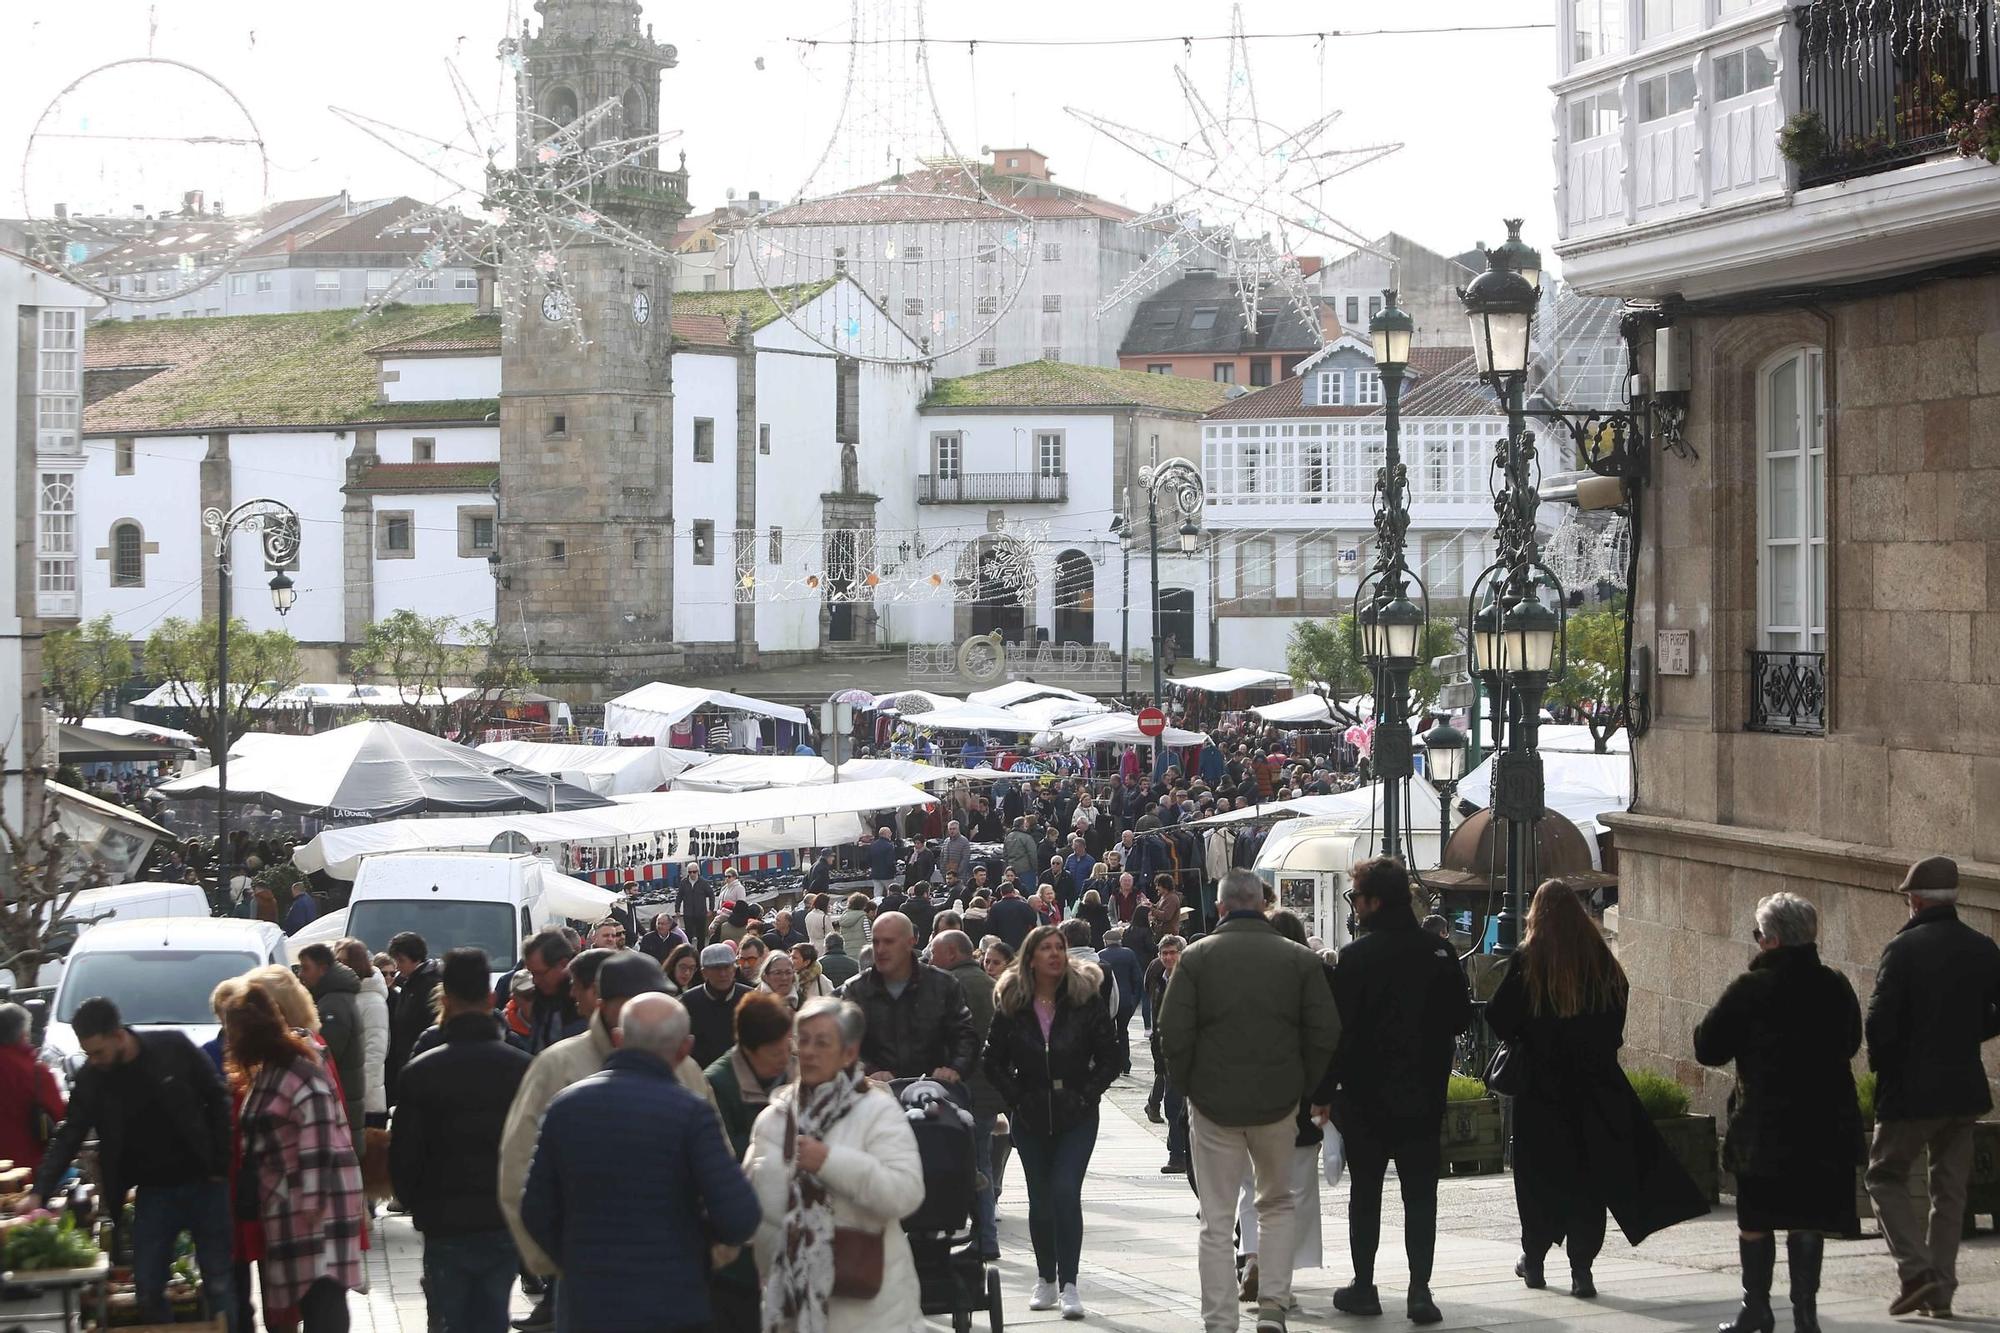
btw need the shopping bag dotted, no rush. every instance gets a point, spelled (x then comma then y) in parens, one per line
(1332, 1155)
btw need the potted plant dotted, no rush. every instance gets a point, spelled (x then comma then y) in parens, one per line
(1473, 1141)
(1803, 141)
(1690, 1138)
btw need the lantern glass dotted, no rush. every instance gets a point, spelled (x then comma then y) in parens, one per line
(1190, 536)
(1371, 631)
(1486, 637)
(1500, 341)
(1445, 744)
(1530, 634)
(1401, 626)
(283, 594)
(1389, 333)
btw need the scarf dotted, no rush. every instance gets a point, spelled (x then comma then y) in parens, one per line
(799, 1285)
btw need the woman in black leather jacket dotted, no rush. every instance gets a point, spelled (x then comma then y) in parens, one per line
(1051, 1053)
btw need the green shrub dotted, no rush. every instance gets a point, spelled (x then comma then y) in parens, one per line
(1661, 1096)
(1864, 1092)
(1464, 1089)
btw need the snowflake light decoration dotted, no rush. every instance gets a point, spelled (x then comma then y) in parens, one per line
(1247, 192)
(883, 566)
(526, 212)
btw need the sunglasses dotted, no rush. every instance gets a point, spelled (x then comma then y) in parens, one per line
(1757, 934)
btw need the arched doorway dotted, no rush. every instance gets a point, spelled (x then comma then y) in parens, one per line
(1075, 598)
(996, 582)
(840, 580)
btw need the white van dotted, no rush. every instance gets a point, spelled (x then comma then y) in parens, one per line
(484, 900)
(160, 972)
(114, 902)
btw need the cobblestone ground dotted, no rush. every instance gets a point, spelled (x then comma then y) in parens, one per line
(1139, 1267)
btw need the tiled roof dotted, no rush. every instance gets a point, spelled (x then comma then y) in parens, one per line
(373, 229)
(1442, 383)
(763, 310)
(703, 330)
(473, 333)
(915, 197)
(310, 369)
(199, 235)
(1061, 384)
(1167, 323)
(427, 477)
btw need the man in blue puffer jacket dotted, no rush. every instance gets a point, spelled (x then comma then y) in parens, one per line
(631, 1182)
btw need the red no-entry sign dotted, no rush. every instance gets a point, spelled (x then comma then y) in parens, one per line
(1151, 722)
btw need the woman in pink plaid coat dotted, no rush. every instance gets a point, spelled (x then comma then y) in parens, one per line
(298, 1178)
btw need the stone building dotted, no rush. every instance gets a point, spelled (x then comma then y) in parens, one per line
(1824, 532)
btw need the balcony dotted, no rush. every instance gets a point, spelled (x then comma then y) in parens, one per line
(1671, 182)
(977, 488)
(1871, 108)
(1788, 693)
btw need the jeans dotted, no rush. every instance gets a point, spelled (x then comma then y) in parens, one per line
(1914, 1246)
(1223, 1156)
(1413, 1146)
(1053, 1166)
(468, 1280)
(159, 1214)
(986, 1222)
(1122, 1020)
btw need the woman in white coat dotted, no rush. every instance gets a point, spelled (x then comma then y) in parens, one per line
(833, 1152)
(373, 1005)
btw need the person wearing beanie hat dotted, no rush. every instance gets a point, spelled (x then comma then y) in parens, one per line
(836, 963)
(1936, 1001)
(622, 976)
(711, 1006)
(445, 1149)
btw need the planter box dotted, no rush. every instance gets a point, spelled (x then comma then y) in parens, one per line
(1691, 1139)
(1473, 1141)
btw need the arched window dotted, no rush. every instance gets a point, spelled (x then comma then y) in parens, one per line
(558, 109)
(128, 556)
(1791, 504)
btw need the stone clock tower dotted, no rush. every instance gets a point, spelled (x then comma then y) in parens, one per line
(586, 407)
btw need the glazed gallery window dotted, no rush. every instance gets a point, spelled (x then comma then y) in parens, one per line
(1791, 504)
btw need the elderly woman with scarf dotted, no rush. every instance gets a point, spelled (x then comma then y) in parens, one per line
(298, 1176)
(835, 1168)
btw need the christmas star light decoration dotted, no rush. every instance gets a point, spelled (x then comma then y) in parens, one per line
(1247, 193)
(518, 214)
(905, 565)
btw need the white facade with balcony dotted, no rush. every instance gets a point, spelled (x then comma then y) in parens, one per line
(1670, 181)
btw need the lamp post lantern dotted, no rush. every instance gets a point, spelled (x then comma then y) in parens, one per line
(278, 524)
(1517, 643)
(1390, 625)
(1444, 760)
(1183, 480)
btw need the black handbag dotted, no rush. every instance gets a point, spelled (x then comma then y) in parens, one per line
(1506, 1071)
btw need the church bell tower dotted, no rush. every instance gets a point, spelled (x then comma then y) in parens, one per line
(586, 408)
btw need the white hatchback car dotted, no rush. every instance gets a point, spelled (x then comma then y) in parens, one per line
(160, 973)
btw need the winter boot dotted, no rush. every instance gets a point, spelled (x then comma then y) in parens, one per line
(1759, 1258)
(1805, 1249)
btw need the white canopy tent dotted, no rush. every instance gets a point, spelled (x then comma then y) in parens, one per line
(1237, 678)
(1361, 808)
(1052, 712)
(1578, 740)
(652, 710)
(1020, 691)
(125, 726)
(608, 770)
(970, 716)
(1580, 787)
(1116, 729)
(378, 770)
(1301, 710)
(909, 703)
(775, 820)
(756, 772)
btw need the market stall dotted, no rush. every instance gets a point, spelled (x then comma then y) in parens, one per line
(690, 718)
(608, 770)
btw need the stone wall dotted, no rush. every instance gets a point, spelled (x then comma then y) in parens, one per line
(1910, 764)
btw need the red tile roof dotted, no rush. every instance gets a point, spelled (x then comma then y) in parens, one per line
(704, 330)
(1442, 383)
(946, 194)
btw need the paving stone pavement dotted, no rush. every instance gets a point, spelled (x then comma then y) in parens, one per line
(1139, 1259)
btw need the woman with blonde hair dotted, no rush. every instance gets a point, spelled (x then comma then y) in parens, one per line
(1052, 1054)
(1582, 1141)
(297, 1174)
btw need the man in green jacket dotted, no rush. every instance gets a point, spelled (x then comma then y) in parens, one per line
(1248, 1028)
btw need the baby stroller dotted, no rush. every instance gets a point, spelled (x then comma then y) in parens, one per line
(953, 1279)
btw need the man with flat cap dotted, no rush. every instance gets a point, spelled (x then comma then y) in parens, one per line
(1936, 1000)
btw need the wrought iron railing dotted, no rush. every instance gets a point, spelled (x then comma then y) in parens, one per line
(993, 488)
(1788, 693)
(1883, 84)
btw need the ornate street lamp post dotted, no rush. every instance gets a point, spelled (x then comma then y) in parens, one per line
(1183, 479)
(1390, 625)
(1516, 642)
(1444, 762)
(278, 524)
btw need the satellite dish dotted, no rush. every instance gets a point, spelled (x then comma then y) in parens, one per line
(511, 843)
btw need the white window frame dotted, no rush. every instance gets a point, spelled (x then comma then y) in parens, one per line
(989, 356)
(1257, 555)
(55, 541)
(326, 280)
(1808, 519)
(1330, 388)
(378, 281)
(138, 577)
(1049, 453)
(463, 280)
(948, 455)
(264, 280)
(59, 381)
(1368, 388)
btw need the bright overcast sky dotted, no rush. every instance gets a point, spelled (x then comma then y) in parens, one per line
(1473, 110)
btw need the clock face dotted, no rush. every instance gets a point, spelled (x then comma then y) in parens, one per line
(557, 306)
(642, 308)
